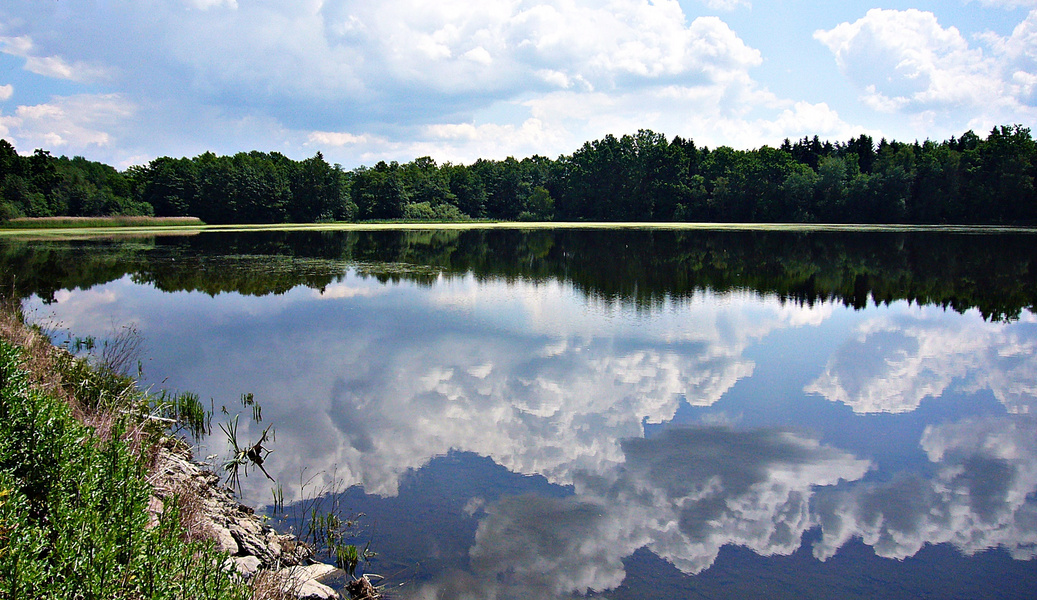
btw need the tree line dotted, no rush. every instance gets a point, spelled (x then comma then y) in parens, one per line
(639, 177)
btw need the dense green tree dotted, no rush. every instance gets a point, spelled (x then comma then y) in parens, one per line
(171, 186)
(380, 192)
(639, 177)
(467, 189)
(318, 192)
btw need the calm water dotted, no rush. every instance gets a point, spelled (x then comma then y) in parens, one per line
(632, 414)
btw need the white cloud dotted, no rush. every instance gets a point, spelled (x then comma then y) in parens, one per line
(208, 4)
(6, 91)
(479, 55)
(727, 4)
(340, 290)
(466, 142)
(688, 492)
(1018, 54)
(532, 383)
(335, 138)
(402, 78)
(51, 66)
(1009, 4)
(68, 123)
(406, 78)
(683, 494)
(907, 61)
(16, 46)
(55, 66)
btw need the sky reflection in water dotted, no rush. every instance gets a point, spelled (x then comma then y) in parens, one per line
(727, 419)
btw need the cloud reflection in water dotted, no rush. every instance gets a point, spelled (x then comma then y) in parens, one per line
(373, 381)
(682, 494)
(518, 372)
(897, 359)
(982, 494)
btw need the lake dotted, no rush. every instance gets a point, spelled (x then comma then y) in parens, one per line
(624, 413)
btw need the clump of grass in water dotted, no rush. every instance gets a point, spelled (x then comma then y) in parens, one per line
(330, 530)
(243, 455)
(184, 412)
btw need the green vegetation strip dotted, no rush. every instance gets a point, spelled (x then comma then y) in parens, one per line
(73, 509)
(195, 227)
(115, 221)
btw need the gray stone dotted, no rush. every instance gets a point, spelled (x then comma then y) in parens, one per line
(317, 571)
(311, 589)
(247, 565)
(302, 583)
(224, 540)
(234, 527)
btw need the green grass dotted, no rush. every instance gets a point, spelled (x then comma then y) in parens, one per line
(73, 502)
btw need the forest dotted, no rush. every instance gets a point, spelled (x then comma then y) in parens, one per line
(639, 177)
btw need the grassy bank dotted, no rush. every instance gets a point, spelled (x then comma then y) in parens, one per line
(74, 491)
(117, 221)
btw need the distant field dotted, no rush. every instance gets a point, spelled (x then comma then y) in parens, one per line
(77, 222)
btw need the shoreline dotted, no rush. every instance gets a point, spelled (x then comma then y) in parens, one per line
(88, 469)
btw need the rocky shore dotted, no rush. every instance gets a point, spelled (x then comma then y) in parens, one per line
(210, 511)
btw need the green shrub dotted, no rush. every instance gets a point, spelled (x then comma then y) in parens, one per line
(73, 510)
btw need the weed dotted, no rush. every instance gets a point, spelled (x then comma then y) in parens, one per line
(243, 455)
(324, 524)
(183, 412)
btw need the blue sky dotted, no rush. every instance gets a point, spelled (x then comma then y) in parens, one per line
(125, 81)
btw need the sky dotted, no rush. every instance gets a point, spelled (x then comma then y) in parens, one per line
(126, 81)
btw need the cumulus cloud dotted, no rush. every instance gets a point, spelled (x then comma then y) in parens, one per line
(1018, 53)
(532, 382)
(905, 60)
(531, 408)
(351, 49)
(1007, 3)
(336, 138)
(727, 4)
(690, 491)
(895, 361)
(6, 91)
(402, 78)
(72, 122)
(208, 4)
(52, 65)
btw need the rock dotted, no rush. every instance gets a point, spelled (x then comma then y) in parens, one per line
(224, 540)
(217, 514)
(305, 586)
(249, 537)
(246, 565)
(316, 571)
(311, 589)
